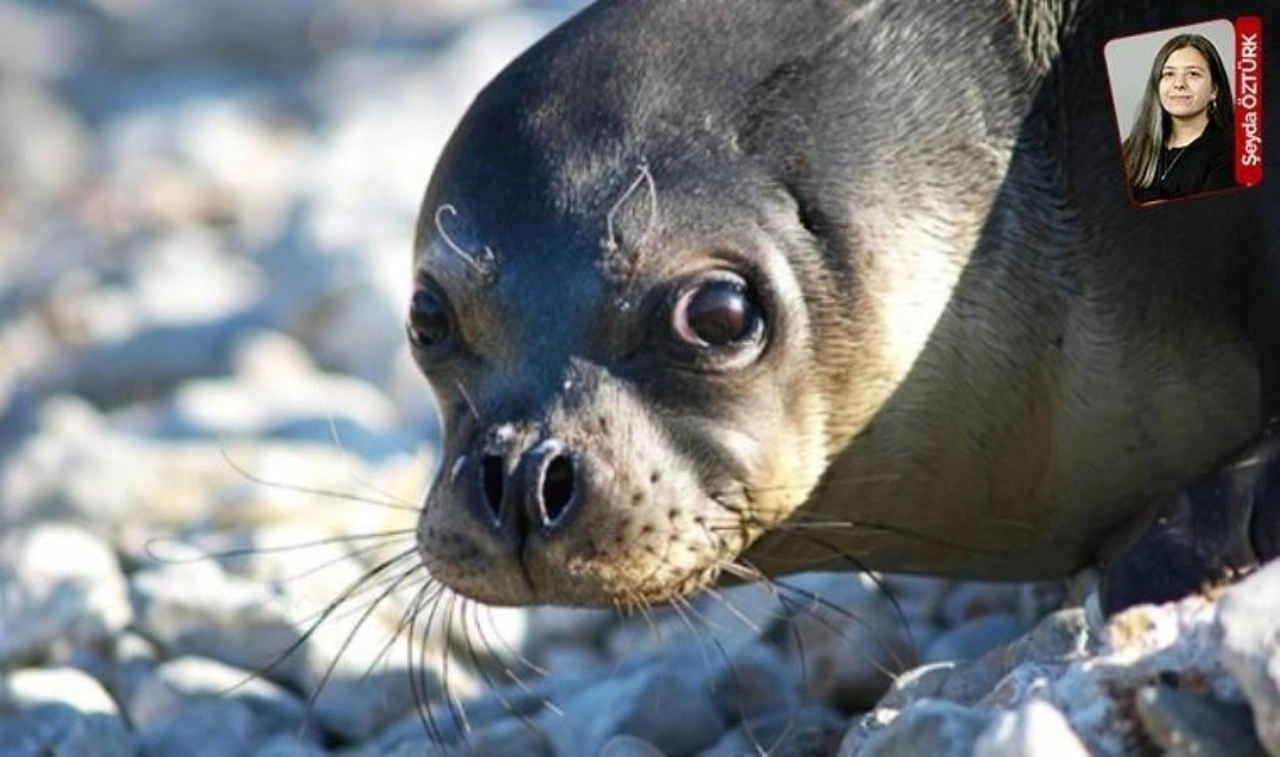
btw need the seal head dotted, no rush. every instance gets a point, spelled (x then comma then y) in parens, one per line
(821, 284)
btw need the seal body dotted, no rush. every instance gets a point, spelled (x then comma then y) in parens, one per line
(747, 287)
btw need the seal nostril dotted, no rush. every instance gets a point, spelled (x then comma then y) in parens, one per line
(491, 471)
(557, 487)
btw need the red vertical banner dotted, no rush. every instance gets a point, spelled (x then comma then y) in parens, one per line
(1248, 100)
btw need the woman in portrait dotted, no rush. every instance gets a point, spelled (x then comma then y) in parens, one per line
(1181, 142)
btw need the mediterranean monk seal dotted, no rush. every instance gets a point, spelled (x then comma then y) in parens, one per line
(731, 288)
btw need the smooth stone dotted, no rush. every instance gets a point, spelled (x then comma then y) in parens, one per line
(629, 746)
(60, 730)
(194, 608)
(62, 712)
(757, 682)
(804, 731)
(442, 725)
(58, 582)
(501, 737)
(970, 600)
(1058, 639)
(163, 702)
(209, 728)
(44, 146)
(665, 701)
(353, 660)
(289, 745)
(155, 360)
(974, 638)
(135, 661)
(1035, 729)
(1188, 725)
(23, 689)
(1248, 629)
(929, 727)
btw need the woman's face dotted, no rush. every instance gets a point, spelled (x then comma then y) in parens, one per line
(1186, 88)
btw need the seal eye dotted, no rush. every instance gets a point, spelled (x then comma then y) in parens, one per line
(429, 323)
(716, 313)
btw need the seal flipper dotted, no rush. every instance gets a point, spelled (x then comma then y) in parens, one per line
(1221, 525)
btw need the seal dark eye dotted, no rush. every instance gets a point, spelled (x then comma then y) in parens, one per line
(429, 322)
(716, 313)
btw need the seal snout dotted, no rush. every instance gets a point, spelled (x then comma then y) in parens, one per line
(539, 492)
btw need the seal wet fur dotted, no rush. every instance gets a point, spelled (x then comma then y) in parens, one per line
(752, 287)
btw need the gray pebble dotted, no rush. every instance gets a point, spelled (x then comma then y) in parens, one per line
(667, 703)
(976, 637)
(59, 711)
(758, 681)
(1036, 729)
(185, 684)
(57, 583)
(629, 746)
(59, 730)
(929, 727)
(208, 728)
(194, 608)
(804, 731)
(1189, 725)
(1248, 627)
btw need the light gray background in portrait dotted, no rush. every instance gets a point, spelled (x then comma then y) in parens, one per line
(1129, 62)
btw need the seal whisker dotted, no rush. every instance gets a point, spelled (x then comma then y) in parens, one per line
(687, 613)
(367, 612)
(418, 665)
(732, 608)
(372, 580)
(471, 405)
(336, 436)
(313, 624)
(815, 601)
(150, 547)
(317, 491)
(418, 681)
(376, 584)
(482, 668)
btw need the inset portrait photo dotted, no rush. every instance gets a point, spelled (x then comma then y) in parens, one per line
(1176, 96)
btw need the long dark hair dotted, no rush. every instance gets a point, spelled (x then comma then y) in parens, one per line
(1151, 124)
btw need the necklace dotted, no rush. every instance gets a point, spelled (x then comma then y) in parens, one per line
(1165, 174)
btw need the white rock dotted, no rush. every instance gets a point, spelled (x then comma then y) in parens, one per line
(179, 685)
(1036, 729)
(1248, 625)
(975, 637)
(60, 711)
(195, 609)
(932, 727)
(40, 42)
(57, 583)
(209, 728)
(27, 688)
(664, 701)
(43, 145)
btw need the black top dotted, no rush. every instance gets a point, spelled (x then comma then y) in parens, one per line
(1206, 164)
